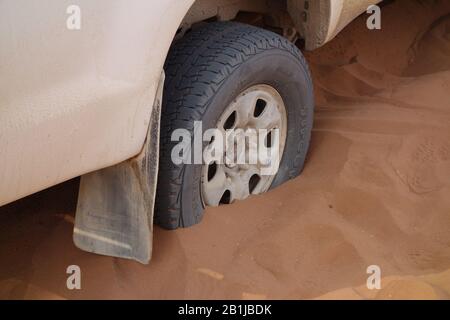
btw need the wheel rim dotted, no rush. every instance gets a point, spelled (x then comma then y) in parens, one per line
(259, 107)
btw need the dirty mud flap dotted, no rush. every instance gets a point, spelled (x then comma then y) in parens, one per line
(114, 214)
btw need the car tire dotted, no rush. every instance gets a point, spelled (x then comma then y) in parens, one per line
(205, 71)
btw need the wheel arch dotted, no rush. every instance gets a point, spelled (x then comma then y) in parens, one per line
(316, 22)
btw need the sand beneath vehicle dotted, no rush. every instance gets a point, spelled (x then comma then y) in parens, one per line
(375, 191)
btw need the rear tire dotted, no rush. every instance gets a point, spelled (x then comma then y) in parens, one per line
(205, 71)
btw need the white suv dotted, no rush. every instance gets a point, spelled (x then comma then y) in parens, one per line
(96, 88)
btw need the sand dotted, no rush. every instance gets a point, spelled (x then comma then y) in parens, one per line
(375, 191)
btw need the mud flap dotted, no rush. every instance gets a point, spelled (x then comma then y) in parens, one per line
(114, 214)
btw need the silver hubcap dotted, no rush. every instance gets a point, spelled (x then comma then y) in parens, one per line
(259, 107)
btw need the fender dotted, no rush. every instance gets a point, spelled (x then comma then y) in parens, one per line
(76, 101)
(319, 21)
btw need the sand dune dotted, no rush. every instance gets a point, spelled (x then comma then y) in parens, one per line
(375, 191)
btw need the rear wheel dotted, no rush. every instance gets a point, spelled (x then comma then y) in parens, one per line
(231, 76)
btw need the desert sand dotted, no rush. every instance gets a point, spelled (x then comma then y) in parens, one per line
(375, 191)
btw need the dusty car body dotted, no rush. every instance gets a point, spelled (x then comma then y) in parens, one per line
(73, 102)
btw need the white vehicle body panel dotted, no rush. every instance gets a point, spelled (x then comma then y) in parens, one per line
(75, 101)
(342, 12)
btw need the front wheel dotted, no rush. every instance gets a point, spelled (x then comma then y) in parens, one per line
(234, 78)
